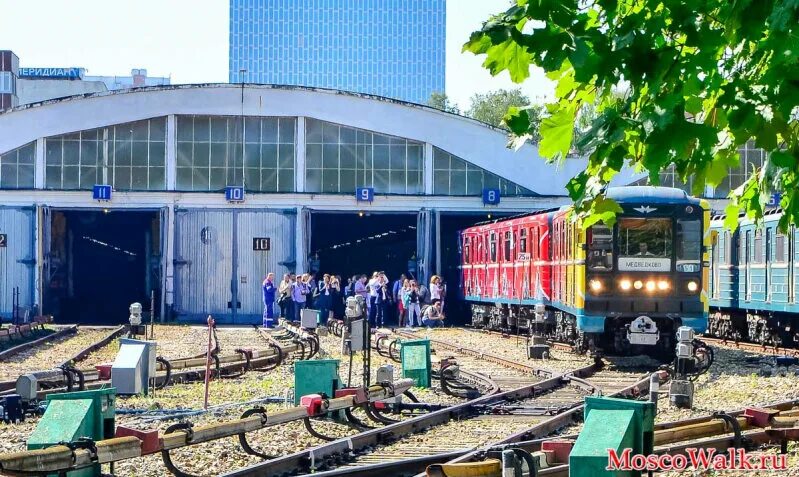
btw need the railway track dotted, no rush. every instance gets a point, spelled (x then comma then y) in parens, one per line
(527, 398)
(752, 347)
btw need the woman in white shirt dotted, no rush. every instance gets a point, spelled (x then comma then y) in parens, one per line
(435, 288)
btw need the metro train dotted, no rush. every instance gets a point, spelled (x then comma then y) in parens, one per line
(609, 290)
(754, 280)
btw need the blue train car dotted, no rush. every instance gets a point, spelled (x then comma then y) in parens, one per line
(753, 282)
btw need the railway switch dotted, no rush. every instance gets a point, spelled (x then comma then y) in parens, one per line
(416, 365)
(319, 376)
(315, 404)
(73, 416)
(611, 424)
(681, 389)
(12, 409)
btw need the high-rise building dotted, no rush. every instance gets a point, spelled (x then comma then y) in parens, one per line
(392, 48)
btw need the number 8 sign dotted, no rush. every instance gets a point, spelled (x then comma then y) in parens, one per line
(491, 196)
(365, 194)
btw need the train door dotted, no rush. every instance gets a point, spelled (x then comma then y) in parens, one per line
(746, 256)
(714, 260)
(791, 265)
(768, 259)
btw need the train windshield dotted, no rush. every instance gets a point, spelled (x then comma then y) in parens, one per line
(689, 245)
(645, 244)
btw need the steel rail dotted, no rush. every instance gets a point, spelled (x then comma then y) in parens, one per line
(82, 354)
(60, 458)
(751, 347)
(34, 343)
(342, 450)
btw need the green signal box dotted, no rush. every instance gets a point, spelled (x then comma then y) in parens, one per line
(319, 376)
(415, 357)
(71, 416)
(616, 424)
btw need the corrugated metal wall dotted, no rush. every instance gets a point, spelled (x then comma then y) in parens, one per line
(215, 260)
(17, 257)
(203, 263)
(254, 265)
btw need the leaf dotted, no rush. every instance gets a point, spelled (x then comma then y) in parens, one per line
(517, 120)
(603, 210)
(782, 159)
(731, 219)
(557, 132)
(509, 56)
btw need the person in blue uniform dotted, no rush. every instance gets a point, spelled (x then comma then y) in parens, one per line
(269, 300)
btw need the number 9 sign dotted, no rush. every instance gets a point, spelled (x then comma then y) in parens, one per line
(365, 194)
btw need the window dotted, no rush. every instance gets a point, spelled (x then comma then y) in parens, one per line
(746, 250)
(600, 248)
(340, 159)
(466, 248)
(689, 245)
(781, 255)
(16, 167)
(523, 241)
(757, 255)
(508, 242)
(727, 250)
(455, 176)
(129, 156)
(492, 241)
(645, 237)
(216, 151)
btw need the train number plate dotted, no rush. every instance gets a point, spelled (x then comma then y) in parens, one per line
(648, 339)
(3, 240)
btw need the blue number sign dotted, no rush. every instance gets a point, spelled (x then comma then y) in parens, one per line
(774, 200)
(234, 194)
(365, 194)
(101, 192)
(491, 196)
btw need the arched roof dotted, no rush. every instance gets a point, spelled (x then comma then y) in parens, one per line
(469, 139)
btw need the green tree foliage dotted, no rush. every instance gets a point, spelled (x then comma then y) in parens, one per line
(492, 107)
(699, 79)
(441, 101)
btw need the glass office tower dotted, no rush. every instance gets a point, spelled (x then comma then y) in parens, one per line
(392, 48)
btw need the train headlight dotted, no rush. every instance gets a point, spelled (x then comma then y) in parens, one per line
(625, 284)
(596, 285)
(663, 285)
(693, 286)
(650, 286)
(638, 284)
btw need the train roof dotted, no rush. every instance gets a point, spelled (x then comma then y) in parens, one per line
(650, 194)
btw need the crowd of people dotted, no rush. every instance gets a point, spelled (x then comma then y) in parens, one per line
(404, 302)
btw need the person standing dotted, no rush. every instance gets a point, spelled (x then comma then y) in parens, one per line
(311, 282)
(299, 293)
(435, 288)
(374, 287)
(324, 300)
(414, 298)
(383, 301)
(284, 299)
(269, 300)
(402, 302)
(360, 288)
(336, 298)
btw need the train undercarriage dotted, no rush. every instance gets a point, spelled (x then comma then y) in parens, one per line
(768, 329)
(559, 326)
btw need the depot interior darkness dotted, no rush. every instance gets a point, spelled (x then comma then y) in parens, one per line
(100, 262)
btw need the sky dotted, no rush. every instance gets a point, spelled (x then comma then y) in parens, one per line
(187, 40)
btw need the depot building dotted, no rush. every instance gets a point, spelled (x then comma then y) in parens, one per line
(188, 196)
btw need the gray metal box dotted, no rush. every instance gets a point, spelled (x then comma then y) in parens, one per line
(357, 335)
(309, 318)
(134, 365)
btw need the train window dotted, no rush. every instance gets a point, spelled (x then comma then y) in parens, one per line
(480, 256)
(466, 248)
(645, 237)
(523, 241)
(600, 247)
(492, 245)
(780, 248)
(746, 250)
(689, 245)
(758, 252)
(507, 246)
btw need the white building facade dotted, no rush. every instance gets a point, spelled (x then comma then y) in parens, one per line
(170, 152)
